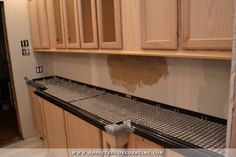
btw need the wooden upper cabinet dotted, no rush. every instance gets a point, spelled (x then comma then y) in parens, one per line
(39, 24)
(207, 24)
(88, 23)
(71, 23)
(109, 24)
(59, 23)
(159, 24)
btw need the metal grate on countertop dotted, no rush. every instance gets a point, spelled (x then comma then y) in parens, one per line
(113, 108)
(199, 132)
(68, 91)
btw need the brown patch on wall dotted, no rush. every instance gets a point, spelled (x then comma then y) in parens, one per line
(132, 72)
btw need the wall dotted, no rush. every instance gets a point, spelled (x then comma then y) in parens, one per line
(16, 12)
(198, 85)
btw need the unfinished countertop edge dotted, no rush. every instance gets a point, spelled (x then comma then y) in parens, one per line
(187, 54)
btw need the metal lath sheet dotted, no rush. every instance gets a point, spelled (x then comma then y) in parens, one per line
(203, 133)
(68, 91)
(111, 107)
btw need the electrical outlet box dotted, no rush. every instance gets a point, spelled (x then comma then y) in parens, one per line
(24, 43)
(25, 52)
(39, 69)
(25, 48)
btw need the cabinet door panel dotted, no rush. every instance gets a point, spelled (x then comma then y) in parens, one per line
(55, 124)
(43, 24)
(59, 23)
(71, 24)
(109, 23)
(207, 24)
(142, 143)
(159, 24)
(88, 23)
(82, 134)
(37, 110)
(34, 23)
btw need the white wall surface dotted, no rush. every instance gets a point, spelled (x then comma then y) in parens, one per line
(198, 85)
(16, 12)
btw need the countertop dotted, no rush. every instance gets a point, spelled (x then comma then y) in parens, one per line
(166, 125)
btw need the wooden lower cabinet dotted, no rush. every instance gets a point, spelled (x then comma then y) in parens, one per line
(55, 124)
(140, 142)
(61, 129)
(81, 134)
(137, 142)
(37, 110)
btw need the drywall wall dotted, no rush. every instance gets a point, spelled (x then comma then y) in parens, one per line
(16, 12)
(198, 85)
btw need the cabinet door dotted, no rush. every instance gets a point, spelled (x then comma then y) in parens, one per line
(109, 23)
(141, 143)
(207, 24)
(159, 24)
(59, 23)
(38, 116)
(88, 23)
(82, 134)
(171, 153)
(34, 23)
(71, 24)
(39, 24)
(43, 24)
(55, 123)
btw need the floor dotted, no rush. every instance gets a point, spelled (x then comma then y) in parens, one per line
(32, 147)
(33, 142)
(8, 127)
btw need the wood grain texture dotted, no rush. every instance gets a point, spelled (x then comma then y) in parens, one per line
(9, 132)
(70, 14)
(37, 110)
(102, 7)
(131, 24)
(59, 23)
(82, 134)
(136, 141)
(88, 23)
(119, 141)
(159, 24)
(43, 24)
(51, 23)
(191, 54)
(206, 24)
(34, 24)
(55, 124)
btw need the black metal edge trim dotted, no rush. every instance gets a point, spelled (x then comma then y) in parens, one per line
(86, 116)
(150, 102)
(41, 78)
(35, 85)
(172, 143)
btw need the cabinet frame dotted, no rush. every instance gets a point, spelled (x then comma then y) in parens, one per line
(160, 44)
(93, 44)
(60, 45)
(40, 28)
(188, 43)
(118, 29)
(65, 21)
